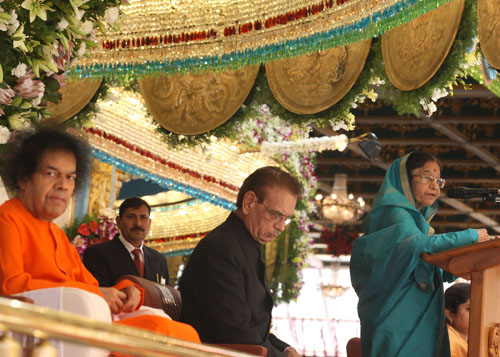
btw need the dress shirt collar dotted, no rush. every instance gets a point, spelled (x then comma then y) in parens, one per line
(129, 246)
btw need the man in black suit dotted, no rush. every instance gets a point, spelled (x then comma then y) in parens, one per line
(126, 252)
(225, 293)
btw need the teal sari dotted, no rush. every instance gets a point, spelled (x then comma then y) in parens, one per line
(401, 305)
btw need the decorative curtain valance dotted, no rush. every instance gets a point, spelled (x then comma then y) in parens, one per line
(168, 37)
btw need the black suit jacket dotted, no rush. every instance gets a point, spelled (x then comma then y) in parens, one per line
(225, 295)
(110, 260)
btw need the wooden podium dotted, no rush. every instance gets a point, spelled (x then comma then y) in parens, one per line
(480, 262)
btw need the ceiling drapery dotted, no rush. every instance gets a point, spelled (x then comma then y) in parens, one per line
(168, 37)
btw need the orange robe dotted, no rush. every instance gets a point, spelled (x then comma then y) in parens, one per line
(35, 254)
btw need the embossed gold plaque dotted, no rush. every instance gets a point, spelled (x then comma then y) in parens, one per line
(488, 13)
(414, 52)
(76, 94)
(196, 103)
(314, 82)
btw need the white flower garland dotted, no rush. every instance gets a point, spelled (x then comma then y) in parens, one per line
(338, 142)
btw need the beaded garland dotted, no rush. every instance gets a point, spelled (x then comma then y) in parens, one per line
(157, 158)
(200, 36)
(162, 181)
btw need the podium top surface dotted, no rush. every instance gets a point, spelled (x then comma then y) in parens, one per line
(467, 259)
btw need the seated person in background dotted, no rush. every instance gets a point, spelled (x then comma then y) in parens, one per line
(126, 253)
(45, 167)
(457, 307)
(225, 294)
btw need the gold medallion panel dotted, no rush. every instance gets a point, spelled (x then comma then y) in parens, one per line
(488, 13)
(414, 52)
(314, 82)
(196, 103)
(76, 94)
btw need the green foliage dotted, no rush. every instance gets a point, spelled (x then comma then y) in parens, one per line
(287, 278)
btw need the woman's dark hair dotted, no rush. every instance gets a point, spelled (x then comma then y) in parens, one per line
(266, 177)
(133, 202)
(418, 159)
(26, 148)
(455, 295)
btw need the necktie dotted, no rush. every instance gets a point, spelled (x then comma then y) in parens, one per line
(138, 263)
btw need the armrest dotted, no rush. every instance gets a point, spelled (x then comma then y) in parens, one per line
(250, 349)
(159, 296)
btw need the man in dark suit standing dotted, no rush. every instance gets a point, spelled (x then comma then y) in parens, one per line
(126, 253)
(225, 294)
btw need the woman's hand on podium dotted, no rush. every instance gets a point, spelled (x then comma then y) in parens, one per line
(482, 235)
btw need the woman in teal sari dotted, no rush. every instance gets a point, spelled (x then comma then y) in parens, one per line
(401, 305)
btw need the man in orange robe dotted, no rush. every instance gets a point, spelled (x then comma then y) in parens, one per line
(45, 168)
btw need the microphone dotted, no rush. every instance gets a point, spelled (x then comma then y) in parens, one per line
(466, 192)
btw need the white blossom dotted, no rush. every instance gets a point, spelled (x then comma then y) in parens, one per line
(439, 93)
(111, 15)
(4, 134)
(79, 14)
(13, 23)
(87, 27)
(432, 108)
(19, 70)
(82, 49)
(63, 24)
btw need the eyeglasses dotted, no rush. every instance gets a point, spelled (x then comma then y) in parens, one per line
(275, 216)
(428, 179)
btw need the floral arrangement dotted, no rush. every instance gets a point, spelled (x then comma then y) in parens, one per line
(39, 41)
(339, 240)
(91, 230)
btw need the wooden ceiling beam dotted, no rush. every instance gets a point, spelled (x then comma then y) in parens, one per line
(362, 162)
(462, 180)
(392, 120)
(443, 211)
(438, 142)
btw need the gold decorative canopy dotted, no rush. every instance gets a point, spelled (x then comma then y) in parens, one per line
(414, 52)
(311, 83)
(488, 13)
(76, 94)
(196, 103)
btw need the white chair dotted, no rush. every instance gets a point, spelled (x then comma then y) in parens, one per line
(75, 301)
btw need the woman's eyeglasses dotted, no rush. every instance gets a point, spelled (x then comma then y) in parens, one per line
(428, 179)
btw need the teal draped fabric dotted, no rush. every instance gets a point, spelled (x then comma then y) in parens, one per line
(401, 305)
